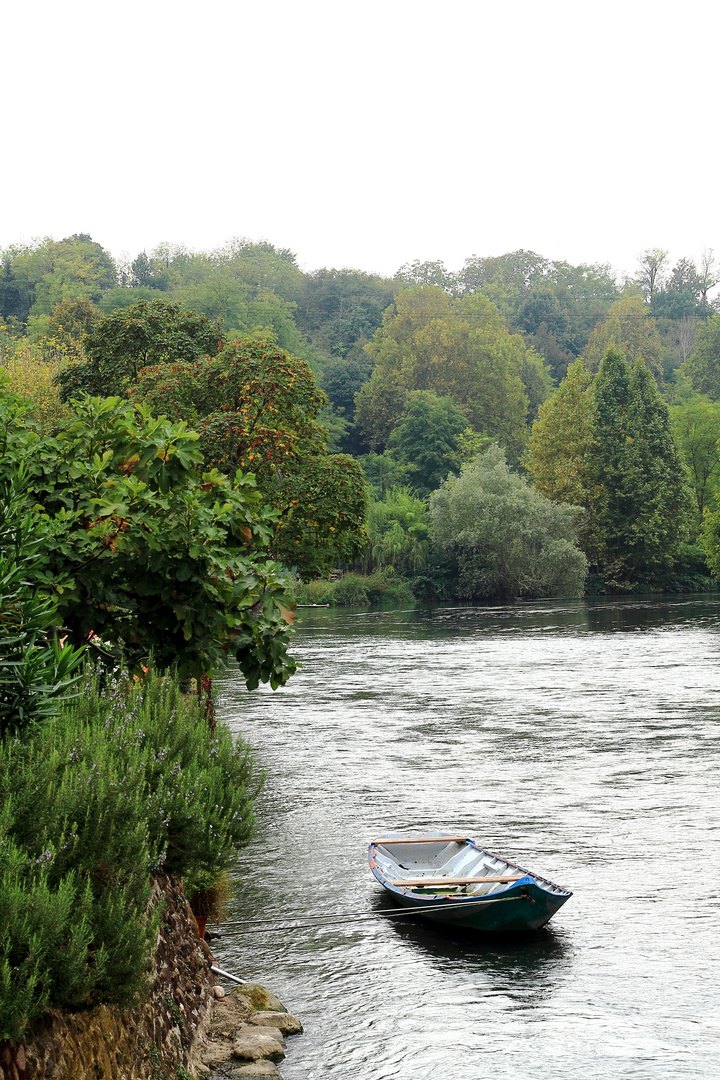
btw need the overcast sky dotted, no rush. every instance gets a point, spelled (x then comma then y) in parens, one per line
(365, 134)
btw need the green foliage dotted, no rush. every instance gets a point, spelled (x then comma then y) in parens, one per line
(344, 376)
(45, 273)
(349, 591)
(243, 286)
(383, 472)
(554, 305)
(145, 551)
(124, 297)
(399, 533)
(256, 408)
(639, 497)
(432, 272)
(341, 309)
(357, 590)
(71, 320)
(561, 443)
(630, 329)
(688, 573)
(209, 893)
(36, 671)
(129, 339)
(129, 782)
(506, 538)
(696, 423)
(427, 439)
(461, 349)
(31, 368)
(608, 446)
(703, 366)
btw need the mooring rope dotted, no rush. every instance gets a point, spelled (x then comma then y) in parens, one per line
(362, 916)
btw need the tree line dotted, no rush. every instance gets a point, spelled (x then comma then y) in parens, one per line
(404, 383)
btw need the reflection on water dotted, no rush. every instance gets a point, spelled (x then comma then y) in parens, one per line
(527, 969)
(580, 740)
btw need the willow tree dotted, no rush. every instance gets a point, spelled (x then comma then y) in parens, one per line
(506, 539)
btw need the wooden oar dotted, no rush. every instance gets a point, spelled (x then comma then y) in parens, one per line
(384, 841)
(490, 879)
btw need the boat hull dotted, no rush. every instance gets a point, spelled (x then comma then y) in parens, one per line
(530, 909)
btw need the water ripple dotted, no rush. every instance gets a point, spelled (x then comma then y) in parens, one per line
(580, 739)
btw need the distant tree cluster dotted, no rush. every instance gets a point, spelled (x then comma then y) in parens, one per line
(408, 378)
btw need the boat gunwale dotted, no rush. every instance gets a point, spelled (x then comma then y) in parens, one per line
(529, 878)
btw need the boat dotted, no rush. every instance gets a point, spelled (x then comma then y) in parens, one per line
(451, 880)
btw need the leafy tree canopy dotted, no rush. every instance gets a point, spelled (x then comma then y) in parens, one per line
(72, 320)
(256, 408)
(35, 669)
(343, 377)
(629, 328)
(339, 308)
(640, 500)
(609, 446)
(145, 550)
(129, 339)
(427, 273)
(399, 530)
(427, 439)
(697, 427)
(456, 348)
(47, 272)
(561, 443)
(702, 367)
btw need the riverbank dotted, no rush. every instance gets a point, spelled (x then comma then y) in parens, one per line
(188, 1027)
(154, 1040)
(357, 590)
(246, 1035)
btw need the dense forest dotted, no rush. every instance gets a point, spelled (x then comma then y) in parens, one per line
(519, 427)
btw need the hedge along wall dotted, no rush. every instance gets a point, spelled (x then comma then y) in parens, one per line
(147, 1042)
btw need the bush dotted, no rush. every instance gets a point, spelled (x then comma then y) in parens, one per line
(35, 669)
(129, 782)
(350, 591)
(507, 540)
(144, 549)
(386, 588)
(209, 894)
(354, 590)
(314, 592)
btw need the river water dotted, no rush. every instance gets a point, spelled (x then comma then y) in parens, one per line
(579, 739)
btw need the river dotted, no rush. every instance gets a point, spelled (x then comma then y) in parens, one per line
(580, 739)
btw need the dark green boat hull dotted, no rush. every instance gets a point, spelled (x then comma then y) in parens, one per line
(525, 907)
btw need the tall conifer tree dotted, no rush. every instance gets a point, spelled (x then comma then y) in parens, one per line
(663, 487)
(639, 499)
(611, 486)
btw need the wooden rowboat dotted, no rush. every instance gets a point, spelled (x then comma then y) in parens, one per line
(451, 880)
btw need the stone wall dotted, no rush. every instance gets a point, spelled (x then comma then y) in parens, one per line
(145, 1043)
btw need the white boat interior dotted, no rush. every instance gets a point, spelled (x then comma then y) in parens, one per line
(446, 865)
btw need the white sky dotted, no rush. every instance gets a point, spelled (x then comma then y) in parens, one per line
(365, 134)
